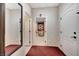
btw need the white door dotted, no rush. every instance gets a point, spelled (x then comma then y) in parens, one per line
(30, 31)
(26, 31)
(78, 29)
(68, 28)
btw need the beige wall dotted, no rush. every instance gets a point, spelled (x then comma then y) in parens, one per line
(51, 26)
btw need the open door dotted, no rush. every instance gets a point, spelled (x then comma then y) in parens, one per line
(27, 29)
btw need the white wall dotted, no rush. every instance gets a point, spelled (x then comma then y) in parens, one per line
(7, 17)
(12, 28)
(51, 25)
(26, 8)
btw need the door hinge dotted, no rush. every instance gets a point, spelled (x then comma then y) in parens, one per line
(29, 31)
(29, 41)
(60, 18)
(45, 41)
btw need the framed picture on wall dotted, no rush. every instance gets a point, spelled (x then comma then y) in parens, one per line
(40, 28)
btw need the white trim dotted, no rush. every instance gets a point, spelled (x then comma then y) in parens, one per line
(62, 50)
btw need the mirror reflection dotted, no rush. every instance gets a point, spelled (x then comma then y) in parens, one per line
(12, 27)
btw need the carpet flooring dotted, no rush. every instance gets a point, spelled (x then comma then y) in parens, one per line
(10, 49)
(45, 51)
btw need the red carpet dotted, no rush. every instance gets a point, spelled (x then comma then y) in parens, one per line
(10, 49)
(45, 51)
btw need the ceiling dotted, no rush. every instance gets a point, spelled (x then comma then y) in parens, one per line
(42, 5)
(13, 6)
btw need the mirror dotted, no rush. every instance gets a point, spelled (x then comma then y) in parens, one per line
(13, 27)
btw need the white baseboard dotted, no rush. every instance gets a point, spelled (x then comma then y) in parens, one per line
(44, 45)
(62, 50)
(27, 50)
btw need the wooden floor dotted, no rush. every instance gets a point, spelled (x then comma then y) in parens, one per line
(10, 49)
(45, 51)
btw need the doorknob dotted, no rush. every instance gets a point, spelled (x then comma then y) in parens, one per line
(74, 33)
(74, 37)
(77, 12)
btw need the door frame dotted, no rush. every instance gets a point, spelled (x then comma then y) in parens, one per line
(21, 29)
(2, 29)
(29, 29)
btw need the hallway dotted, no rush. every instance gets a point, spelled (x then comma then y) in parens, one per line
(39, 29)
(45, 51)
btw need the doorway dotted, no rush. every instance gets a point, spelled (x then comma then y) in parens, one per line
(13, 27)
(10, 23)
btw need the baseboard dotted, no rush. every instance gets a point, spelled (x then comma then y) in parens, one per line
(62, 50)
(44, 45)
(28, 49)
(52, 45)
